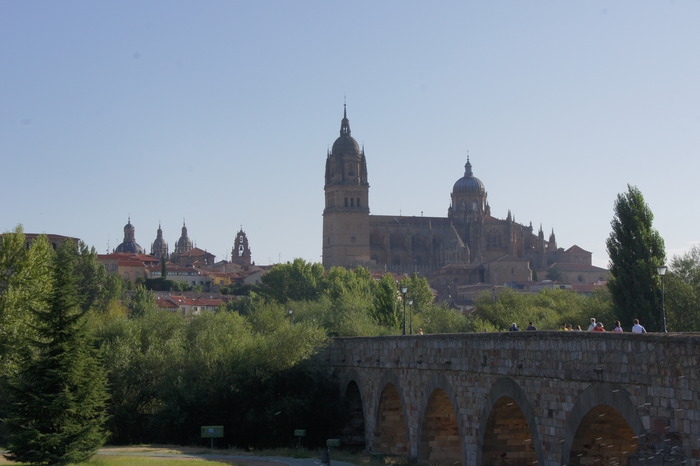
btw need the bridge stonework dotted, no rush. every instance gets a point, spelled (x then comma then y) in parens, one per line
(511, 398)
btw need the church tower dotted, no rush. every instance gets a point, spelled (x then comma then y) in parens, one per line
(182, 246)
(346, 213)
(159, 248)
(240, 254)
(468, 210)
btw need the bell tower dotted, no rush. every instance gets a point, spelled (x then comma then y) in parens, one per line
(240, 254)
(346, 212)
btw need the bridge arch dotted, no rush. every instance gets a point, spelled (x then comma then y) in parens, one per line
(508, 427)
(391, 423)
(604, 424)
(439, 439)
(353, 433)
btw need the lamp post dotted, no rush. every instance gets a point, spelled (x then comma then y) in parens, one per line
(662, 271)
(291, 314)
(410, 316)
(404, 290)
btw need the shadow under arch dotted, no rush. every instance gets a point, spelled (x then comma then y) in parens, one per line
(390, 428)
(507, 401)
(598, 401)
(353, 432)
(439, 439)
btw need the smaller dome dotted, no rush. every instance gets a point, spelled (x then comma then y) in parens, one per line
(469, 184)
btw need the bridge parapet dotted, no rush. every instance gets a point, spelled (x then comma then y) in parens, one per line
(648, 386)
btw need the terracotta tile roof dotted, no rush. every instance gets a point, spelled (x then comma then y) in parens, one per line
(144, 258)
(165, 303)
(195, 252)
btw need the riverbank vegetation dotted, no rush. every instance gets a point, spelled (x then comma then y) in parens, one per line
(250, 366)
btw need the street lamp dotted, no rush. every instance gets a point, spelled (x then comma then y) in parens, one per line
(410, 316)
(404, 290)
(662, 271)
(291, 314)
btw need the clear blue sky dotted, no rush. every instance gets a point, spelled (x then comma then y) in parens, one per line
(221, 113)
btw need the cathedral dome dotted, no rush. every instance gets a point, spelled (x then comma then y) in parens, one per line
(129, 245)
(469, 184)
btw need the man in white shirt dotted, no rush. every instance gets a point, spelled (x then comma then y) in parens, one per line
(593, 324)
(637, 328)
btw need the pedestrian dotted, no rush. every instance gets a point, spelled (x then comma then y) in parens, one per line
(513, 328)
(599, 327)
(531, 326)
(563, 328)
(420, 331)
(618, 327)
(637, 327)
(578, 329)
(592, 326)
(569, 328)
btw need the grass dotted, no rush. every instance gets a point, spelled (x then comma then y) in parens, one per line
(130, 455)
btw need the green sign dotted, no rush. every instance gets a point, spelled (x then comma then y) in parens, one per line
(300, 432)
(333, 442)
(212, 431)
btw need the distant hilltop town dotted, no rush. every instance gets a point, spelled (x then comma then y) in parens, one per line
(186, 264)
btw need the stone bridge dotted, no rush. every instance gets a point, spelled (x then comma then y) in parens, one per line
(516, 398)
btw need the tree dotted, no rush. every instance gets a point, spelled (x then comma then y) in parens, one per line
(418, 292)
(59, 396)
(23, 284)
(385, 305)
(92, 279)
(298, 281)
(554, 274)
(636, 249)
(142, 301)
(683, 292)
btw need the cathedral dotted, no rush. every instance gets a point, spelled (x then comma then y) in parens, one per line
(468, 246)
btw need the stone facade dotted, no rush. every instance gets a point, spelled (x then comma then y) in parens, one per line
(554, 398)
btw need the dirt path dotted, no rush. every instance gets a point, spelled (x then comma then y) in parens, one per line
(166, 452)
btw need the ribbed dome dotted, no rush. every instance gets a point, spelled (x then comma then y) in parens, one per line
(469, 184)
(129, 245)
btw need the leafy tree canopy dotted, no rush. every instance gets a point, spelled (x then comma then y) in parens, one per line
(636, 250)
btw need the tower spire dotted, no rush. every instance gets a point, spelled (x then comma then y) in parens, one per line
(345, 124)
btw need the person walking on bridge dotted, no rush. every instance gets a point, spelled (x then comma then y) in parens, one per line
(637, 327)
(593, 325)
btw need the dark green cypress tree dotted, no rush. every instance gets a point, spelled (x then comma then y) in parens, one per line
(635, 249)
(59, 397)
